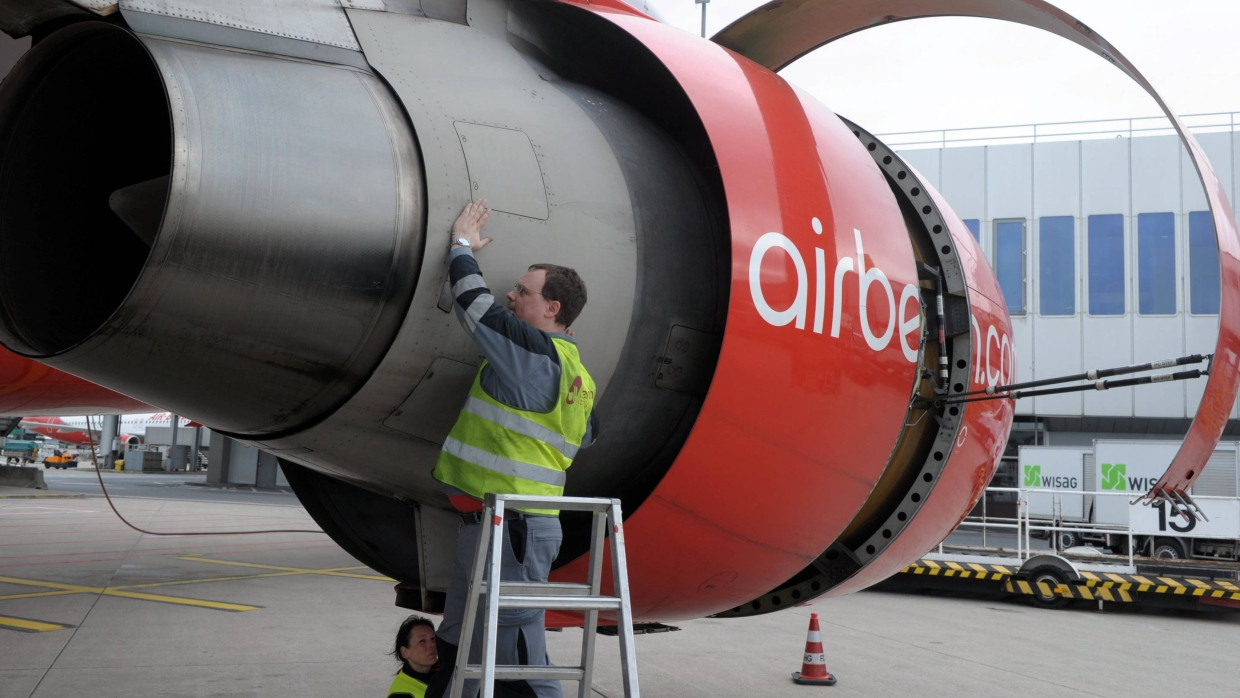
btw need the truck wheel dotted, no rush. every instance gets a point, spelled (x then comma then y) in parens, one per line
(1167, 549)
(1051, 576)
(1069, 539)
(1117, 545)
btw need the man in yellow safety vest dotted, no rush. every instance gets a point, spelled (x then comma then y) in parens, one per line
(529, 410)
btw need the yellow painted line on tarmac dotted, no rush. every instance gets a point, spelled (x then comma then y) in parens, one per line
(37, 594)
(218, 605)
(48, 588)
(205, 580)
(70, 588)
(330, 571)
(27, 625)
(122, 592)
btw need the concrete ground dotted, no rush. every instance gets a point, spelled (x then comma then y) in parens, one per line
(91, 607)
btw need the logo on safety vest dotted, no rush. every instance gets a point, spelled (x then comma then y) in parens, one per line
(573, 391)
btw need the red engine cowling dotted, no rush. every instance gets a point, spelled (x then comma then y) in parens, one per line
(810, 464)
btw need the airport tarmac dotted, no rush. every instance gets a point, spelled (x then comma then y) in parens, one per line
(91, 607)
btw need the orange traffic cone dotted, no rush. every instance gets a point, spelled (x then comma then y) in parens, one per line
(814, 667)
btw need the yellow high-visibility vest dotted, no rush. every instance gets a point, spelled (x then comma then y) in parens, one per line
(405, 685)
(497, 448)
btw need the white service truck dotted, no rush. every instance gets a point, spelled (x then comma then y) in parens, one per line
(1093, 487)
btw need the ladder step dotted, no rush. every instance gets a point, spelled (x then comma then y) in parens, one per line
(599, 504)
(540, 588)
(566, 603)
(509, 671)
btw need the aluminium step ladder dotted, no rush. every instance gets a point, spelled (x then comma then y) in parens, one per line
(572, 596)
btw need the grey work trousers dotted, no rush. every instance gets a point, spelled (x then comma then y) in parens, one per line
(530, 546)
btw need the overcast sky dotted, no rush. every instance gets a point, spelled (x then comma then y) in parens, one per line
(961, 73)
(958, 73)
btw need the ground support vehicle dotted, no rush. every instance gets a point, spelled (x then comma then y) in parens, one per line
(1086, 494)
(993, 557)
(17, 452)
(60, 459)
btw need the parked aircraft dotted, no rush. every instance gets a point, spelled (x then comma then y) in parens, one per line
(779, 307)
(30, 387)
(86, 431)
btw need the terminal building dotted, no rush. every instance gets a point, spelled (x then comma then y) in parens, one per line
(1102, 241)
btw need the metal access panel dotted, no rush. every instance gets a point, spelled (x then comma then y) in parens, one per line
(431, 409)
(688, 363)
(502, 163)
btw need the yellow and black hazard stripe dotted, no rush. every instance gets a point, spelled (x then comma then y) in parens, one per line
(1092, 586)
(1068, 590)
(1175, 586)
(963, 570)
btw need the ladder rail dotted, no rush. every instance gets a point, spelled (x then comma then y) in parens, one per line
(589, 627)
(624, 619)
(470, 613)
(491, 625)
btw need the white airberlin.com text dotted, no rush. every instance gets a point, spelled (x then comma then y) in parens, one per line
(909, 303)
(993, 362)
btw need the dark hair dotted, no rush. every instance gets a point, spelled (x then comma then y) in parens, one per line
(563, 285)
(402, 637)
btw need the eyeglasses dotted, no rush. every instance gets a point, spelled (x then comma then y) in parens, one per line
(522, 290)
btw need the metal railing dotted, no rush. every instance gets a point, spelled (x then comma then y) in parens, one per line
(1216, 122)
(1048, 523)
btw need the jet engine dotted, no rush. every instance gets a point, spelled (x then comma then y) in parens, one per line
(776, 299)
